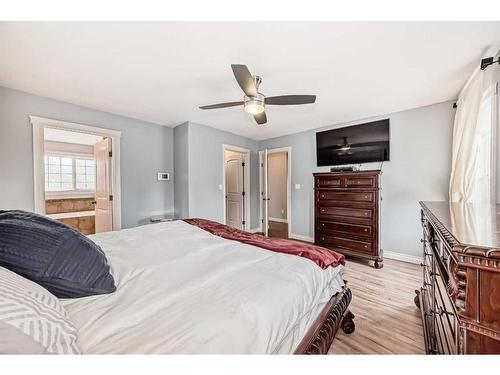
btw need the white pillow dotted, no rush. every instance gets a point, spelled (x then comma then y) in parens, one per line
(32, 320)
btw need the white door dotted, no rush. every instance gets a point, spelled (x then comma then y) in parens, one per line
(264, 191)
(103, 198)
(235, 194)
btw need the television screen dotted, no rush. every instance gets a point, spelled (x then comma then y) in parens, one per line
(356, 144)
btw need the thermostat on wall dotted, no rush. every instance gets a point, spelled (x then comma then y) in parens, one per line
(163, 176)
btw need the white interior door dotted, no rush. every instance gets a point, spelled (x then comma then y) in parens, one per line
(235, 193)
(264, 191)
(103, 198)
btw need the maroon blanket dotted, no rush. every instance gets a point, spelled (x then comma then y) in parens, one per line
(319, 255)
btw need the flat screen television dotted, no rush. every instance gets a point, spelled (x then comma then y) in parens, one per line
(363, 143)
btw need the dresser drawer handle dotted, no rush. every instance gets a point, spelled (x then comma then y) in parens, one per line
(366, 230)
(322, 210)
(366, 196)
(366, 213)
(322, 195)
(322, 224)
(322, 238)
(366, 246)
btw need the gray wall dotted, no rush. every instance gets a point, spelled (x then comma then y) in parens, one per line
(145, 150)
(419, 170)
(181, 170)
(205, 163)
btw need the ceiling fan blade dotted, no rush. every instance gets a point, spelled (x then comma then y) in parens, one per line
(245, 79)
(221, 105)
(290, 99)
(260, 118)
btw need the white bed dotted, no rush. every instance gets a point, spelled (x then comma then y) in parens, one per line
(181, 290)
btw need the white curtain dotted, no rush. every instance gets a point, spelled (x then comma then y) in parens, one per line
(473, 168)
(465, 140)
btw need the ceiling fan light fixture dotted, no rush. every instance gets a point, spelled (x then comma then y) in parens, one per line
(254, 105)
(254, 108)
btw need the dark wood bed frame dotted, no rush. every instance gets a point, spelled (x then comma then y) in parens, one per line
(335, 314)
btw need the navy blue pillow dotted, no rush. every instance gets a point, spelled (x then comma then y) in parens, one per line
(53, 255)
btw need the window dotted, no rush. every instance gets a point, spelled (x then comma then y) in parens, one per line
(69, 173)
(85, 174)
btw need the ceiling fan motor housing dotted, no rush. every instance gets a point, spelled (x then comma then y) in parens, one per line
(254, 104)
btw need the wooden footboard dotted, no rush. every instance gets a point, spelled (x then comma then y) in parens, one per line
(334, 315)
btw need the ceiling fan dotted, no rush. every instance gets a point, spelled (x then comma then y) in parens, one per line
(344, 148)
(254, 102)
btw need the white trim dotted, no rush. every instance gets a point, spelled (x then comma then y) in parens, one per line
(288, 150)
(277, 219)
(39, 124)
(402, 257)
(246, 154)
(74, 155)
(81, 128)
(70, 215)
(301, 237)
(38, 168)
(69, 194)
(254, 230)
(261, 218)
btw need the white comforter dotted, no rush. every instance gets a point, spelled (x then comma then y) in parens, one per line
(181, 289)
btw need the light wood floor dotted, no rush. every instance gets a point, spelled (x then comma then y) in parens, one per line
(387, 321)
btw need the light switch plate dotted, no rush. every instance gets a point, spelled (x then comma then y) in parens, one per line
(297, 186)
(163, 176)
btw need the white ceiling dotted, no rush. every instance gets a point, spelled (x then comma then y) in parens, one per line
(58, 135)
(161, 72)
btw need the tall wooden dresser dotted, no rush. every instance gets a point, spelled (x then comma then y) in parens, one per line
(460, 294)
(346, 216)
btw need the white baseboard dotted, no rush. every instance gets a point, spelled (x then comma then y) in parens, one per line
(254, 230)
(402, 257)
(278, 220)
(387, 254)
(302, 237)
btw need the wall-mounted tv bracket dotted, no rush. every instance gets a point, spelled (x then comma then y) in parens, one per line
(488, 61)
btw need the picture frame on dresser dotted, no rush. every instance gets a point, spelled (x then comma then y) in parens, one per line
(347, 213)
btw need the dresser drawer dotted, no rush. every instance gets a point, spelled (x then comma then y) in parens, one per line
(366, 213)
(330, 228)
(328, 182)
(346, 243)
(365, 182)
(445, 317)
(346, 197)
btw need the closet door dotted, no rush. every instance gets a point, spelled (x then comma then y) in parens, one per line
(103, 198)
(264, 191)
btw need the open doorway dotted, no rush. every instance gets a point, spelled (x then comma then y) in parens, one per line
(275, 183)
(236, 186)
(76, 175)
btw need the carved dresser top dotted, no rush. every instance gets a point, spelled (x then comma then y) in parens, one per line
(469, 228)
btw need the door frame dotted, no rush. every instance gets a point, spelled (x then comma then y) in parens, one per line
(288, 150)
(246, 183)
(41, 123)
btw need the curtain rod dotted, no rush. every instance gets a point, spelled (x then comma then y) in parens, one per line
(488, 61)
(484, 64)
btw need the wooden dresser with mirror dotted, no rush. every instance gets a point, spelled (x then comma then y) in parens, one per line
(460, 294)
